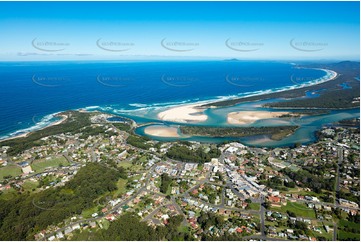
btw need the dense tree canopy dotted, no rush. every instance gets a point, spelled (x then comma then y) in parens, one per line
(183, 153)
(306, 179)
(139, 141)
(128, 227)
(166, 180)
(24, 215)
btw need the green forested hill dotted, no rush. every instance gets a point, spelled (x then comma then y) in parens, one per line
(27, 214)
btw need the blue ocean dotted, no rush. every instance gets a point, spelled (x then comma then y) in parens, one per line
(31, 92)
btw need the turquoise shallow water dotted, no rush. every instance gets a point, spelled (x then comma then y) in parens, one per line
(30, 92)
(304, 135)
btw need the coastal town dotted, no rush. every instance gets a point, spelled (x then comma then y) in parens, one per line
(307, 192)
(180, 120)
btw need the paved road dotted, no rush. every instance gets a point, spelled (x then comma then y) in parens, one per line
(229, 184)
(225, 207)
(336, 203)
(184, 222)
(340, 160)
(149, 216)
(325, 204)
(198, 183)
(262, 213)
(334, 232)
(109, 212)
(97, 218)
(67, 157)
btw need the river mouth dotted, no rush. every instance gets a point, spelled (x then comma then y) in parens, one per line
(217, 117)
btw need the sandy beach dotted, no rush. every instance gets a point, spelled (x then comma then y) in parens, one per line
(25, 134)
(161, 131)
(248, 117)
(184, 114)
(330, 73)
(63, 118)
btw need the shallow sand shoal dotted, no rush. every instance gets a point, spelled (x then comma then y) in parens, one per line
(248, 117)
(161, 131)
(184, 114)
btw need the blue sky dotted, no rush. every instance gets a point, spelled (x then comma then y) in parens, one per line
(141, 30)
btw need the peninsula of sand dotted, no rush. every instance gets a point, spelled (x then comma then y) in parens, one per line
(248, 117)
(193, 113)
(184, 114)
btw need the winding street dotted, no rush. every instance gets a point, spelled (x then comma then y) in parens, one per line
(143, 188)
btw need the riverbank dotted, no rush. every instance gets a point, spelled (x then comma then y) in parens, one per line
(162, 131)
(274, 133)
(194, 113)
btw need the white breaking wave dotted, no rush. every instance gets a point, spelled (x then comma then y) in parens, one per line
(329, 76)
(90, 107)
(44, 122)
(141, 108)
(138, 105)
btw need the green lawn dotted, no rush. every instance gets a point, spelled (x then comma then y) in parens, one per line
(105, 223)
(299, 209)
(41, 165)
(82, 235)
(270, 223)
(343, 235)
(344, 223)
(8, 194)
(121, 185)
(126, 164)
(328, 236)
(143, 159)
(88, 212)
(169, 190)
(352, 233)
(184, 229)
(12, 170)
(136, 177)
(254, 206)
(294, 190)
(30, 185)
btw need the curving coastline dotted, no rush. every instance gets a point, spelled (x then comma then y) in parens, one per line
(330, 75)
(194, 113)
(39, 126)
(185, 112)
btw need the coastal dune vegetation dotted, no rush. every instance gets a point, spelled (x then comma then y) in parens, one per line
(333, 96)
